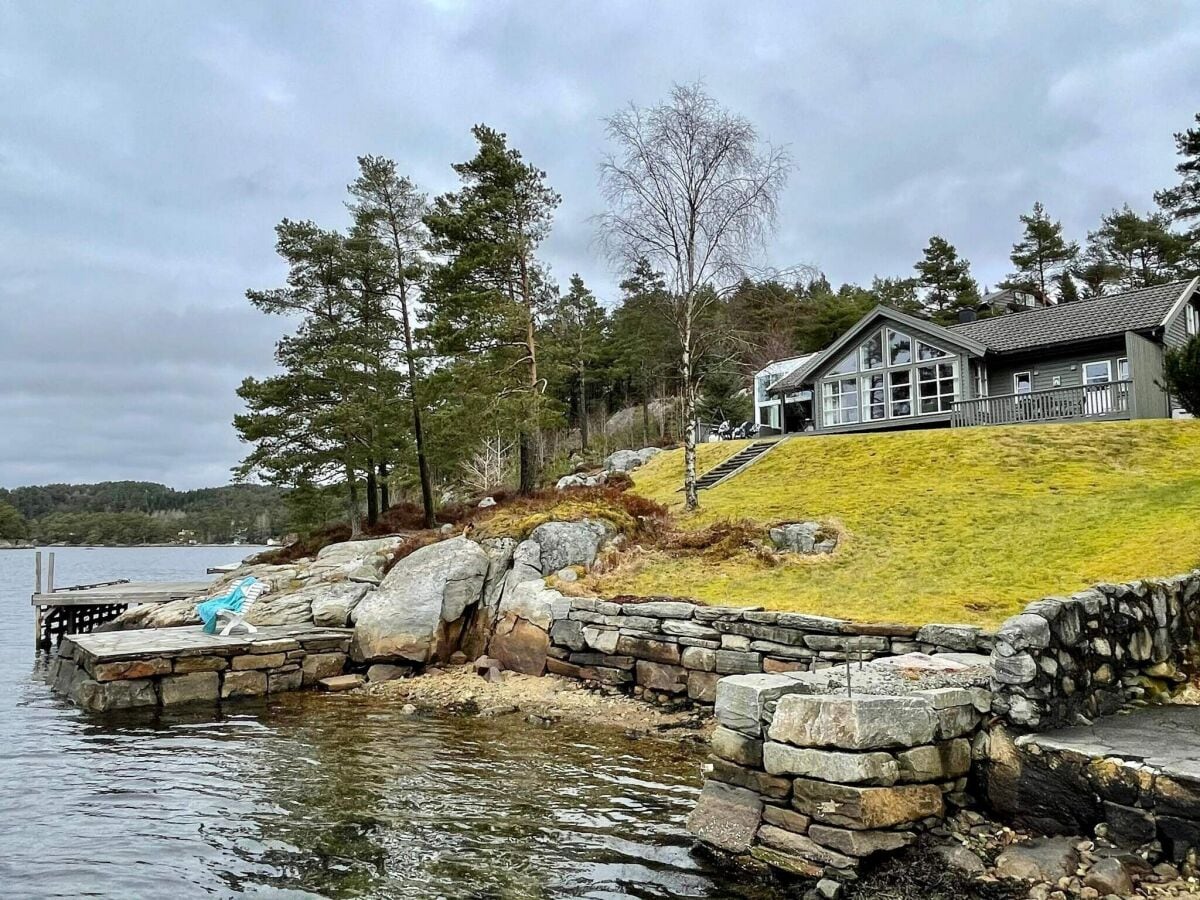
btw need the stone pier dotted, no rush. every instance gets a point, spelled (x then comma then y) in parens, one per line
(168, 666)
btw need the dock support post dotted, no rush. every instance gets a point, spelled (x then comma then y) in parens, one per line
(50, 574)
(37, 575)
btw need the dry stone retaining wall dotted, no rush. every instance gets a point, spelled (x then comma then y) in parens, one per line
(813, 782)
(1088, 654)
(674, 649)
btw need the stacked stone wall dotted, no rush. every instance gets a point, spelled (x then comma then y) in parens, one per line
(208, 674)
(673, 649)
(1070, 658)
(814, 783)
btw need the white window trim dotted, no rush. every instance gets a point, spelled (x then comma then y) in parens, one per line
(1017, 381)
(1107, 363)
(936, 381)
(1191, 320)
(912, 392)
(1123, 359)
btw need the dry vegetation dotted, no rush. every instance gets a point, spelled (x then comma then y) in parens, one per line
(959, 526)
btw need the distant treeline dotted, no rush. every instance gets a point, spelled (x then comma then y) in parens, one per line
(140, 512)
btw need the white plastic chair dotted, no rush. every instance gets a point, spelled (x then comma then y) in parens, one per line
(249, 595)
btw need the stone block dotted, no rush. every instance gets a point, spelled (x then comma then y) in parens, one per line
(936, 762)
(602, 640)
(771, 664)
(785, 862)
(737, 747)
(702, 686)
(186, 664)
(340, 683)
(956, 721)
(567, 633)
(385, 672)
(322, 665)
(664, 609)
(866, 808)
(275, 645)
(735, 662)
(283, 681)
(520, 645)
(602, 659)
(740, 699)
(830, 765)
(699, 658)
(735, 642)
(257, 661)
(1017, 669)
(772, 787)
(951, 637)
(244, 683)
(564, 669)
(192, 687)
(848, 643)
(805, 847)
(635, 624)
(785, 650)
(944, 698)
(852, 723)
(606, 675)
(1129, 826)
(787, 819)
(689, 629)
(131, 668)
(661, 677)
(128, 693)
(652, 650)
(726, 817)
(1025, 632)
(860, 843)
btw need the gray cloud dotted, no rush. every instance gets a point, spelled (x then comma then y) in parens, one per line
(147, 149)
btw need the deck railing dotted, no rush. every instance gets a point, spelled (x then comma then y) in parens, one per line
(1088, 401)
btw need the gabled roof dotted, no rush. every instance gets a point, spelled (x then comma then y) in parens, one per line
(801, 374)
(1101, 317)
(781, 368)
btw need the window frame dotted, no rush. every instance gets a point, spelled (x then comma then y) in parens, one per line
(1083, 377)
(1125, 361)
(1191, 323)
(1017, 383)
(828, 394)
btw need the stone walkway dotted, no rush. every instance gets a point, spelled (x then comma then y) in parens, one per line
(192, 641)
(1164, 737)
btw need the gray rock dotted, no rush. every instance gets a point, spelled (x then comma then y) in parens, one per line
(570, 543)
(853, 723)
(1110, 876)
(487, 503)
(726, 817)
(661, 677)
(191, 688)
(699, 658)
(567, 633)
(960, 859)
(828, 889)
(803, 537)
(805, 847)
(333, 605)
(1018, 669)
(1042, 859)
(602, 640)
(860, 843)
(866, 808)
(384, 672)
(623, 461)
(434, 584)
(740, 699)
(568, 575)
(938, 762)
(661, 609)
(1025, 632)
(830, 765)
(737, 747)
(950, 637)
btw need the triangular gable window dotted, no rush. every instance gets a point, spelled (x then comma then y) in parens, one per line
(846, 365)
(928, 351)
(870, 352)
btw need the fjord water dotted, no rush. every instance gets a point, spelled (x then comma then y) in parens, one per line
(321, 795)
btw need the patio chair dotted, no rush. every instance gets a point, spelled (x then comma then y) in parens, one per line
(234, 606)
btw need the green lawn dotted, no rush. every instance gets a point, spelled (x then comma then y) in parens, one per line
(941, 526)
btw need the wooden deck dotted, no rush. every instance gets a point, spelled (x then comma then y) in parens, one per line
(79, 610)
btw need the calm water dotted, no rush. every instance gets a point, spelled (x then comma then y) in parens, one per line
(320, 796)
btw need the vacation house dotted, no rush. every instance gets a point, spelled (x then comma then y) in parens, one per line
(1092, 359)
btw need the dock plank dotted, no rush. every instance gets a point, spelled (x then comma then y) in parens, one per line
(130, 592)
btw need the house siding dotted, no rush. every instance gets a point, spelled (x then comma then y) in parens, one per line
(1066, 366)
(1175, 333)
(1147, 400)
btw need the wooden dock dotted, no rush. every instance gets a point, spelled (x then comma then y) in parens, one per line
(79, 609)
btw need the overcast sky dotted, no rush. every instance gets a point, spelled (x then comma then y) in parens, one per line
(148, 149)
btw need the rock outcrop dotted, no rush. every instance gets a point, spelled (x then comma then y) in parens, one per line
(804, 537)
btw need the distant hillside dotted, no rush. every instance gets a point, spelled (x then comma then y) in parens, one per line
(961, 525)
(136, 512)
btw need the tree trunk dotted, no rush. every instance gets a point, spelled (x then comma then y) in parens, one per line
(385, 494)
(352, 503)
(372, 496)
(691, 496)
(530, 433)
(583, 411)
(646, 415)
(528, 454)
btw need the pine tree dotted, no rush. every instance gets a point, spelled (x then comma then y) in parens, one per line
(946, 279)
(579, 326)
(1041, 255)
(488, 293)
(645, 344)
(1134, 252)
(1182, 202)
(1067, 291)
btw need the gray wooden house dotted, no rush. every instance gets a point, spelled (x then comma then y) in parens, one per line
(1090, 360)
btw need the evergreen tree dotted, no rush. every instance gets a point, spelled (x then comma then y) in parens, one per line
(724, 397)
(390, 208)
(645, 345)
(579, 326)
(1182, 202)
(1181, 375)
(488, 293)
(12, 524)
(1135, 251)
(1067, 291)
(1095, 275)
(1041, 255)
(946, 279)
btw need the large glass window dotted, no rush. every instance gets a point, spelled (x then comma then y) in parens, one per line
(841, 401)
(899, 348)
(901, 385)
(871, 351)
(1193, 319)
(902, 376)
(936, 386)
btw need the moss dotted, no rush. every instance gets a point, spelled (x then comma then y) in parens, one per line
(950, 525)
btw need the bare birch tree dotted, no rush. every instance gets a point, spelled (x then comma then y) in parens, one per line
(692, 190)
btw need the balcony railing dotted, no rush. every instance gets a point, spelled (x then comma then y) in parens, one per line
(1088, 401)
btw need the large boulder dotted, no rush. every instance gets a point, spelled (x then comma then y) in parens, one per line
(353, 560)
(291, 608)
(803, 537)
(521, 640)
(333, 604)
(564, 544)
(403, 618)
(623, 461)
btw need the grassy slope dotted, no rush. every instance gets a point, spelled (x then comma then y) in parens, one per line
(955, 526)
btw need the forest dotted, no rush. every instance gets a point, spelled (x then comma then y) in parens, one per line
(438, 358)
(141, 512)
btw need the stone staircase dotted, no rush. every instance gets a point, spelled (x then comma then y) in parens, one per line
(747, 456)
